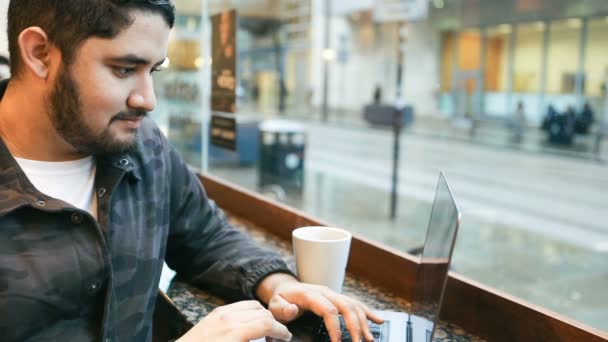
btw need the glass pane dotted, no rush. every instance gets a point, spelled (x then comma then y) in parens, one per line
(516, 209)
(596, 63)
(469, 48)
(563, 56)
(528, 57)
(467, 77)
(497, 58)
(178, 106)
(274, 62)
(448, 55)
(497, 69)
(447, 58)
(527, 71)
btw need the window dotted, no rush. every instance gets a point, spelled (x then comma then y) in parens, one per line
(496, 71)
(563, 56)
(596, 61)
(527, 70)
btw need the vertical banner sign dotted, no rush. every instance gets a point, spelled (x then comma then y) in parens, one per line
(223, 79)
(223, 67)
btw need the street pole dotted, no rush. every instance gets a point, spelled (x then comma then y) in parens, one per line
(324, 106)
(204, 80)
(395, 179)
(397, 120)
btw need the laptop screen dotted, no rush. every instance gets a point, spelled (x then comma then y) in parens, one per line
(437, 251)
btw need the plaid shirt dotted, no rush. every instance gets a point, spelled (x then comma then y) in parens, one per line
(65, 276)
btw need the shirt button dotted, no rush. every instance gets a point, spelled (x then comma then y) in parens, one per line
(76, 218)
(93, 288)
(101, 192)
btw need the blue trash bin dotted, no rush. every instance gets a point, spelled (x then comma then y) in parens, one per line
(282, 154)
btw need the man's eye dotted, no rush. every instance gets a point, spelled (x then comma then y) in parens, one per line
(123, 71)
(157, 69)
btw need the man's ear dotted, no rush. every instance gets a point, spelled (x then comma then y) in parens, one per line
(35, 49)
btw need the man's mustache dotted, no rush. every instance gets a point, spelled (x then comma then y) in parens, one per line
(132, 115)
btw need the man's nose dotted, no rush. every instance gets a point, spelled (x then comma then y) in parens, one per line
(143, 97)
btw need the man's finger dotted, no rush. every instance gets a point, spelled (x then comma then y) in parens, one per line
(322, 307)
(262, 327)
(237, 317)
(347, 308)
(351, 320)
(363, 323)
(372, 315)
(282, 310)
(240, 306)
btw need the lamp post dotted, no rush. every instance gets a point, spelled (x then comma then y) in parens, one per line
(326, 60)
(398, 118)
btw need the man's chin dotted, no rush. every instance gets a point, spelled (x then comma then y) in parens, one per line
(117, 144)
(127, 145)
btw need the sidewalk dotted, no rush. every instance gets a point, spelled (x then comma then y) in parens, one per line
(488, 131)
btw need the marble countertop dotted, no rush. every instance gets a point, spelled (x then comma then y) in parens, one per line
(195, 303)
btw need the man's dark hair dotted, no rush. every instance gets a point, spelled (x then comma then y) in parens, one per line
(68, 23)
(4, 60)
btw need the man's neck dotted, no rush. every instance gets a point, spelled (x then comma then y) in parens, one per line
(26, 128)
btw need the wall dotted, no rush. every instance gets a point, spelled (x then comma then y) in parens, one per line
(370, 59)
(422, 72)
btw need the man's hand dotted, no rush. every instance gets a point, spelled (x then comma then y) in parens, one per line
(288, 298)
(238, 322)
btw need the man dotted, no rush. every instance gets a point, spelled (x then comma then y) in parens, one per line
(93, 199)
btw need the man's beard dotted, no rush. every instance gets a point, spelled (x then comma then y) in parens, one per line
(68, 118)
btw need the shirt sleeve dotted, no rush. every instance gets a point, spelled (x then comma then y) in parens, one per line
(204, 248)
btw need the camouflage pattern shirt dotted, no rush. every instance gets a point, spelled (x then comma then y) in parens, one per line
(65, 276)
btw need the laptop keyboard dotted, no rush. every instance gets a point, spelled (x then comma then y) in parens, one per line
(379, 331)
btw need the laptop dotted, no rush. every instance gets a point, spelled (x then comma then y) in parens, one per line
(430, 283)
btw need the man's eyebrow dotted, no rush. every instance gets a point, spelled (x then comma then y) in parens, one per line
(134, 59)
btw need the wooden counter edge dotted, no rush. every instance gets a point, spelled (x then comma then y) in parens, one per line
(498, 316)
(480, 309)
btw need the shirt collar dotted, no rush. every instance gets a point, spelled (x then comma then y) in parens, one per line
(15, 188)
(123, 161)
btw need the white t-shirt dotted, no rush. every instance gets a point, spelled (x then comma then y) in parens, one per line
(71, 181)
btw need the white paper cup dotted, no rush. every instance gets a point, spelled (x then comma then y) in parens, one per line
(321, 255)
